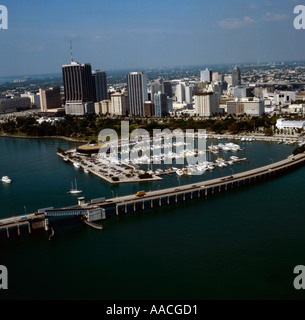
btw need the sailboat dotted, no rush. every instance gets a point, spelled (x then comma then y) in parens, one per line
(74, 190)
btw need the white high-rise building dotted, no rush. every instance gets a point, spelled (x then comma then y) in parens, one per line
(206, 103)
(206, 75)
(188, 94)
(180, 92)
(119, 103)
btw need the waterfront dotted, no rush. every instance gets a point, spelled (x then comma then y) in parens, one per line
(242, 244)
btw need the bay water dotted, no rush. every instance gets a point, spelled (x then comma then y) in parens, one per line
(243, 244)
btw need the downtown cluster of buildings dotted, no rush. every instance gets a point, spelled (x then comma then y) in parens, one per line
(85, 91)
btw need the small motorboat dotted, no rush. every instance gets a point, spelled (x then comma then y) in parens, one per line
(6, 179)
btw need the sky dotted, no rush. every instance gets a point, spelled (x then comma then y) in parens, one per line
(135, 34)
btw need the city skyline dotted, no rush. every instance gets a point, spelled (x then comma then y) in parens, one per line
(136, 34)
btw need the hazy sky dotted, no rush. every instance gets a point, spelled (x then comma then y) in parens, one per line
(125, 34)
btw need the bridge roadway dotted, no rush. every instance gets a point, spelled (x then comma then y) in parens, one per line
(210, 186)
(198, 190)
(32, 221)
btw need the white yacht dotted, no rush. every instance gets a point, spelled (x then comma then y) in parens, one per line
(76, 164)
(6, 179)
(179, 172)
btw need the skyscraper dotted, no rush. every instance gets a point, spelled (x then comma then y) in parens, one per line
(137, 93)
(206, 75)
(236, 79)
(160, 102)
(180, 93)
(100, 85)
(167, 88)
(79, 89)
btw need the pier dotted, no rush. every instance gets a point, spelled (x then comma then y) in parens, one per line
(95, 210)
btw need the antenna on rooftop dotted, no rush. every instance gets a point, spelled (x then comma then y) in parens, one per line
(72, 59)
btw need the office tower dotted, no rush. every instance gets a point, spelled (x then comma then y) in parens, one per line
(155, 87)
(79, 89)
(236, 79)
(119, 103)
(160, 102)
(100, 85)
(50, 98)
(167, 88)
(206, 75)
(180, 93)
(188, 94)
(137, 93)
(206, 103)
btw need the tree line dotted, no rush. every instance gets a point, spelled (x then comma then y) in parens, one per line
(88, 127)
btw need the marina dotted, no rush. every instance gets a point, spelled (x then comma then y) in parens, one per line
(152, 165)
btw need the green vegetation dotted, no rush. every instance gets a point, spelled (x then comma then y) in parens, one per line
(88, 127)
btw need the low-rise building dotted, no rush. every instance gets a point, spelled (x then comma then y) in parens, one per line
(249, 106)
(14, 104)
(287, 124)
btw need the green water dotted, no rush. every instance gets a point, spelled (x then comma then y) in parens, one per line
(242, 244)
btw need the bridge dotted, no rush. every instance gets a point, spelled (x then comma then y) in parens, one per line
(205, 188)
(96, 209)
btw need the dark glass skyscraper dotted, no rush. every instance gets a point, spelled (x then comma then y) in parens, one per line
(100, 86)
(137, 93)
(79, 89)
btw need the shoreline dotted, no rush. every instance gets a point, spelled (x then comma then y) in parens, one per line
(257, 137)
(42, 137)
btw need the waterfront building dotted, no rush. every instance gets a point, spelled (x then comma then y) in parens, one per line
(249, 106)
(100, 85)
(35, 98)
(206, 75)
(79, 89)
(236, 77)
(137, 93)
(14, 104)
(119, 104)
(50, 98)
(286, 124)
(206, 103)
